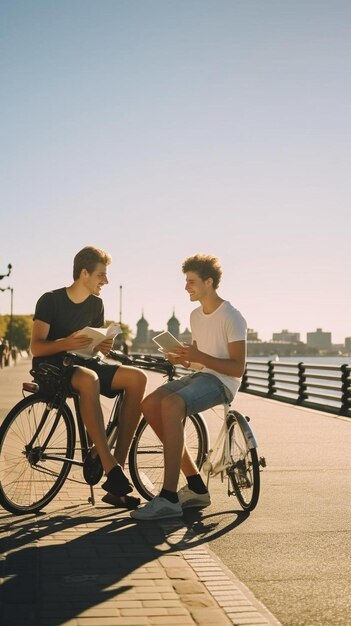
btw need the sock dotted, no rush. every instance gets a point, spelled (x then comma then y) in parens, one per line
(169, 495)
(195, 483)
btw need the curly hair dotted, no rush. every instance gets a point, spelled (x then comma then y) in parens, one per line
(88, 258)
(206, 266)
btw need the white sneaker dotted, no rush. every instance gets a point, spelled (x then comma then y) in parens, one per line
(157, 508)
(190, 499)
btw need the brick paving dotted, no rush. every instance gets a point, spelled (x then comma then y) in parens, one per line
(82, 565)
(76, 564)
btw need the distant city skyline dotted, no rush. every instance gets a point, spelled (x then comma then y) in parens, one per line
(263, 336)
(184, 328)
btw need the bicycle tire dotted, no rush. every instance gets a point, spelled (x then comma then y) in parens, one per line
(146, 454)
(244, 474)
(28, 479)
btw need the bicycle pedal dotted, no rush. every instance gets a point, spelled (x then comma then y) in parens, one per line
(92, 469)
(262, 461)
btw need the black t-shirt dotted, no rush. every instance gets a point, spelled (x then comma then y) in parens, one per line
(66, 317)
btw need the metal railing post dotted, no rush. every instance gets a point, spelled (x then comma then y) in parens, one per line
(345, 389)
(271, 385)
(302, 383)
(244, 381)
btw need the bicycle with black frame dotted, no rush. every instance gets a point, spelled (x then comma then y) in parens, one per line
(38, 443)
(42, 437)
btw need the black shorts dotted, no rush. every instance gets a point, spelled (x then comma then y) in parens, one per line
(105, 371)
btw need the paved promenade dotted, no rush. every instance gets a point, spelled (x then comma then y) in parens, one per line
(83, 565)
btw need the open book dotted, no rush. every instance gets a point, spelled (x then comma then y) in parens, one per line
(97, 335)
(166, 342)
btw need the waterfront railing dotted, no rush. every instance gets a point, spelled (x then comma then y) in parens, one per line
(312, 385)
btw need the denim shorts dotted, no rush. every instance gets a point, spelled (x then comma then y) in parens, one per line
(200, 391)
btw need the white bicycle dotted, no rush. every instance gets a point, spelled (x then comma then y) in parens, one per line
(233, 457)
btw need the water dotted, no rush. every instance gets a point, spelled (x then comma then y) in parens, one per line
(322, 360)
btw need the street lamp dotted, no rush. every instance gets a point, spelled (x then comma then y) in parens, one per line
(9, 268)
(120, 304)
(11, 313)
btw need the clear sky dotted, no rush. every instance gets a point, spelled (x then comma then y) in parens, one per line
(156, 129)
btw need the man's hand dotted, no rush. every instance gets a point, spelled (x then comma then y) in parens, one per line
(188, 353)
(105, 346)
(77, 341)
(176, 359)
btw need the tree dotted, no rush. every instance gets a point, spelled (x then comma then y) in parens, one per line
(123, 340)
(20, 331)
(3, 325)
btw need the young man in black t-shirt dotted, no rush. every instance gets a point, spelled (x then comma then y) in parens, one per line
(59, 315)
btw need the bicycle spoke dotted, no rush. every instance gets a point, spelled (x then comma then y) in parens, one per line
(146, 454)
(29, 479)
(244, 471)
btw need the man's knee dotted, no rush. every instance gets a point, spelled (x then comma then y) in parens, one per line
(173, 405)
(85, 381)
(151, 405)
(148, 404)
(131, 379)
(139, 378)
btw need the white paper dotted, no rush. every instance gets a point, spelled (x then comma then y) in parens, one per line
(97, 335)
(166, 341)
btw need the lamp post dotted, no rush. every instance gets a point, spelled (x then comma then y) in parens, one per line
(9, 268)
(11, 312)
(120, 303)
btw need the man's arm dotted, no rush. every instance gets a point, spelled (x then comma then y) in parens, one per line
(233, 366)
(41, 346)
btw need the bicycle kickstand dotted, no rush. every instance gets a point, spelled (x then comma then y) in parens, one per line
(91, 498)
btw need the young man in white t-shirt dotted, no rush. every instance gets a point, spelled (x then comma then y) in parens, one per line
(218, 354)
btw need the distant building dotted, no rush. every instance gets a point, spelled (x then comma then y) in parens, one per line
(285, 335)
(173, 326)
(319, 339)
(185, 337)
(348, 344)
(142, 338)
(252, 335)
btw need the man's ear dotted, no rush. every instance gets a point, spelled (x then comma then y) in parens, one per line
(209, 282)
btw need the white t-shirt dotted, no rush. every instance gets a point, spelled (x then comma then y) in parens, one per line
(212, 333)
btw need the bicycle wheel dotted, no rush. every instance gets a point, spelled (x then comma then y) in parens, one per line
(33, 437)
(244, 474)
(146, 454)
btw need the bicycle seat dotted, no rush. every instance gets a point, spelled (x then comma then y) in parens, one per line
(49, 379)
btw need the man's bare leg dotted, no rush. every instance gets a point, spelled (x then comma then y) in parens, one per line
(86, 383)
(152, 411)
(172, 412)
(133, 382)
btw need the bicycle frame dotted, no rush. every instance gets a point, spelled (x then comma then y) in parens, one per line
(219, 458)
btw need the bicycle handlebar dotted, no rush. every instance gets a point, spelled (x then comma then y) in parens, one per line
(142, 361)
(145, 361)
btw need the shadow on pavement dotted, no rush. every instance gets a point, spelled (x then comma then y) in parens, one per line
(57, 566)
